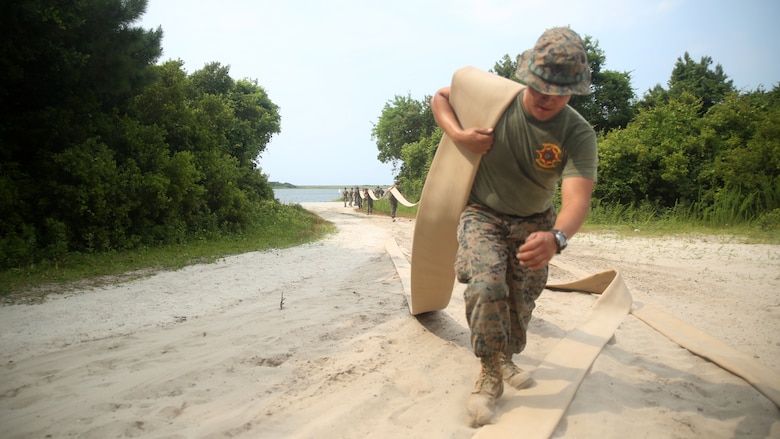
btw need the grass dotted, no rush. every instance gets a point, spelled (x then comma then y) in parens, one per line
(644, 221)
(382, 207)
(286, 226)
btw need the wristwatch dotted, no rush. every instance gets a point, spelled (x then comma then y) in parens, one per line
(560, 239)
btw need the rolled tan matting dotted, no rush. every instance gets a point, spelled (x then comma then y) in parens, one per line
(398, 196)
(479, 99)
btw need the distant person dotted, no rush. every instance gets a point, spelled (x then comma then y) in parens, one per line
(393, 201)
(345, 195)
(369, 203)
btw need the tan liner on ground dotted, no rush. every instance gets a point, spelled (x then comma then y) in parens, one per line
(536, 411)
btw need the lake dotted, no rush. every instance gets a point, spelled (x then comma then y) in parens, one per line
(294, 196)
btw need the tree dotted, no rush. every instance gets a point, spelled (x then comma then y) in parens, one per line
(103, 150)
(416, 158)
(223, 125)
(653, 97)
(257, 120)
(505, 68)
(657, 158)
(66, 69)
(64, 62)
(403, 120)
(709, 86)
(213, 78)
(747, 161)
(608, 107)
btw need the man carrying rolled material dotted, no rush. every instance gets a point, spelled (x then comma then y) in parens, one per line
(509, 230)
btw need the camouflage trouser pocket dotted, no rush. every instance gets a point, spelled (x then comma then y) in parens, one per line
(464, 267)
(463, 270)
(476, 244)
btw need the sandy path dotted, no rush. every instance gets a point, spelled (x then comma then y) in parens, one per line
(207, 352)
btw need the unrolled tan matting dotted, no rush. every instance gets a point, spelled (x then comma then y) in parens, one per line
(535, 412)
(479, 98)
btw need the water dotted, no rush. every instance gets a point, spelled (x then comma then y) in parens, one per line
(294, 196)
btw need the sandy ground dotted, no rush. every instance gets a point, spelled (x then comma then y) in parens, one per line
(317, 342)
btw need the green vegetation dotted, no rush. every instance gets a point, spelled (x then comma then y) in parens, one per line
(382, 207)
(646, 220)
(277, 185)
(103, 151)
(278, 226)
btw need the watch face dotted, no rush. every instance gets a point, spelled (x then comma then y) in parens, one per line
(560, 239)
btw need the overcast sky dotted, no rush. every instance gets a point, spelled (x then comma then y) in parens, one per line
(332, 65)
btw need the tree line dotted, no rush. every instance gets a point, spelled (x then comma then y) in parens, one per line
(103, 149)
(698, 144)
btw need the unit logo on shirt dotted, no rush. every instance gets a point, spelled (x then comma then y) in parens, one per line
(549, 155)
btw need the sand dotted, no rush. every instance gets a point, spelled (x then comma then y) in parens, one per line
(317, 342)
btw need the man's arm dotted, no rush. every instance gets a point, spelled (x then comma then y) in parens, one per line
(575, 204)
(476, 140)
(540, 247)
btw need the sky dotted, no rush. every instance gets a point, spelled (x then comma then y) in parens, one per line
(332, 65)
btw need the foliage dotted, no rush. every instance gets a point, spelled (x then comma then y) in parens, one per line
(664, 141)
(608, 106)
(723, 166)
(711, 86)
(505, 68)
(275, 226)
(403, 120)
(697, 79)
(104, 151)
(417, 158)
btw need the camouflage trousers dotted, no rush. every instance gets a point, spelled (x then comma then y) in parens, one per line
(500, 293)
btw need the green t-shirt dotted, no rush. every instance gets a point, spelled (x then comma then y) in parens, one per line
(520, 173)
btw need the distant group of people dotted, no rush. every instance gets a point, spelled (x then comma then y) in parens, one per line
(358, 197)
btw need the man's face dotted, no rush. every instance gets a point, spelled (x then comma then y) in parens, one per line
(541, 106)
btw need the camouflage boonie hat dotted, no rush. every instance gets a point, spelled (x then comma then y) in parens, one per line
(557, 65)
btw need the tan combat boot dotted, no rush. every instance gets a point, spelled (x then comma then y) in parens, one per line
(488, 388)
(514, 376)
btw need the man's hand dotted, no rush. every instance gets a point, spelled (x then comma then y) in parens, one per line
(537, 250)
(476, 140)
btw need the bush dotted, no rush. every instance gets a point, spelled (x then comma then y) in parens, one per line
(769, 221)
